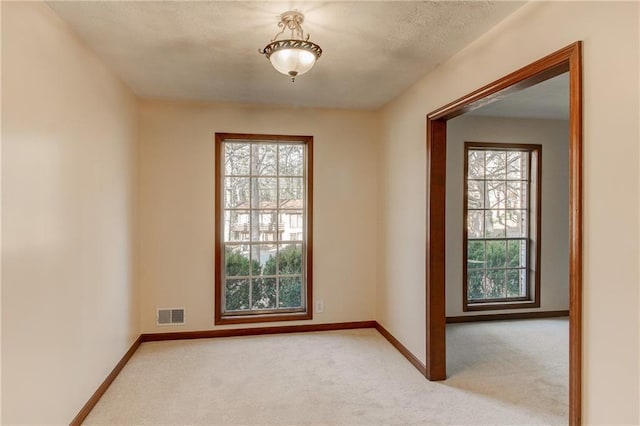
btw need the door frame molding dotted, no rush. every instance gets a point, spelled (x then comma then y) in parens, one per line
(568, 59)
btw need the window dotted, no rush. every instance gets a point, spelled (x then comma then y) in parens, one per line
(501, 233)
(263, 228)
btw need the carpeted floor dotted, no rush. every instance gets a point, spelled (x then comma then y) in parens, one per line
(508, 372)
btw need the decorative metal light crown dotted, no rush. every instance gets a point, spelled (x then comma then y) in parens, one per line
(296, 55)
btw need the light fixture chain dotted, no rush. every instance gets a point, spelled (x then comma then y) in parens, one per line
(293, 21)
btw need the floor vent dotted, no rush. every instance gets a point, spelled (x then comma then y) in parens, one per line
(171, 316)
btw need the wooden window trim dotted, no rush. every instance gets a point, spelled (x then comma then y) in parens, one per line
(532, 300)
(219, 317)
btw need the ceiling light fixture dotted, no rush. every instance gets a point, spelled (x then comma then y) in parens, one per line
(294, 56)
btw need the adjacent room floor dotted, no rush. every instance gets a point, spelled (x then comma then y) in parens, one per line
(501, 372)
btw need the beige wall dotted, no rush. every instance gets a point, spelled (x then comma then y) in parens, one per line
(553, 135)
(70, 307)
(610, 34)
(69, 303)
(177, 206)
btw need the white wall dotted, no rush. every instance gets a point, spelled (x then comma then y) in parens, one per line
(177, 206)
(611, 188)
(553, 135)
(69, 302)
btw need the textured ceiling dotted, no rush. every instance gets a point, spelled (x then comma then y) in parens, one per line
(208, 51)
(548, 99)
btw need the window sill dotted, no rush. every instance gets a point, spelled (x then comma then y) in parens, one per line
(494, 306)
(248, 319)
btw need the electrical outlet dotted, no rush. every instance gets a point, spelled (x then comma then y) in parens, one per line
(319, 306)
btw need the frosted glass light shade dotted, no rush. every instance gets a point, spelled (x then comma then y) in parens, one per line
(292, 61)
(292, 57)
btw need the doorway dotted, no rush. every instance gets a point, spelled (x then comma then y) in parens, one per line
(568, 59)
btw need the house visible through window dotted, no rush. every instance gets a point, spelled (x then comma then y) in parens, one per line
(263, 228)
(502, 226)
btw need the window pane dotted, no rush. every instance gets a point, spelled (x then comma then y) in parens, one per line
(264, 159)
(517, 254)
(515, 192)
(236, 261)
(475, 254)
(495, 224)
(292, 223)
(291, 159)
(524, 278)
(516, 223)
(517, 165)
(236, 158)
(236, 225)
(263, 193)
(496, 195)
(237, 294)
(263, 293)
(290, 292)
(291, 193)
(236, 193)
(475, 280)
(268, 260)
(475, 194)
(290, 259)
(475, 224)
(261, 255)
(495, 285)
(496, 164)
(496, 254)
(265, 225)
(515, 285)
(475, 164)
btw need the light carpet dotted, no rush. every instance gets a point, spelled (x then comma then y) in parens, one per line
(508, 372)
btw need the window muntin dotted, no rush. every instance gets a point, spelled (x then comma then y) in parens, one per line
(501, 225)
(263, 255)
